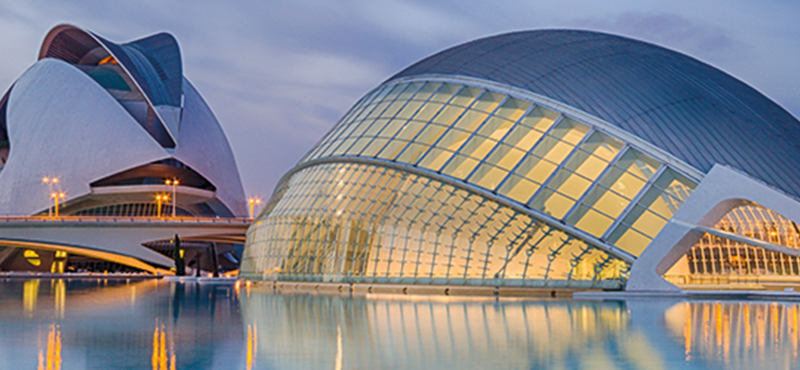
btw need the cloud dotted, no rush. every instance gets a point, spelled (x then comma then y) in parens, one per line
(414, 22)
(663, 29)
(279, 74)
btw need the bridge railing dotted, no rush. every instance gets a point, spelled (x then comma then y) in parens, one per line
(132, 219)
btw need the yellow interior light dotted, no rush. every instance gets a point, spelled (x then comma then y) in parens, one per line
(32, 257)
(107, 60)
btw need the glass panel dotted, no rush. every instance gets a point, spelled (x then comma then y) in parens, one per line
(569, 184)
(552, 203)
(623, 182)
(639, 164)
(535, 169)
(428, 111)
(540, 119)
(465, 97)
(444, 94)
(412, 153)
(358, 146)
(488, 101)
(512, 109)
(392, 149)
(453, 139)
(374, 147)
(659, 202)
(586, 164)
(649, 223)
(523, 137)
(664, 203)
(477, 147)
(505, 156)
(518, 188)
(471, 120)
(629, 240)
(488, 176)
(553, 149)
(396, 90)
(379, 109)
(410, 130)
(460, 167)
(344, 146)
(409, 109)
(391, 128)
(431, 133)
(590, 221)
(602, 146)
(606, 201)
(393, 108)
(376, 127)
(435, 159)
(363, 126)
(570, 131)
(409, 91)
(496, 128)
(425, 92)
(676, 185)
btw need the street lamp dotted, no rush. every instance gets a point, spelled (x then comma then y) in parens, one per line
(174, 182)
(56, 195)
(160, 198)
(50, 181)
(253, 201)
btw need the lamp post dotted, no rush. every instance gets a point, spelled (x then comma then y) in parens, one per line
(50, 181)
(159, 199)
(57, 195)
(253, 201)
(174, 183)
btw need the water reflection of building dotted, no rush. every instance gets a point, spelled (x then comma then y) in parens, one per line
(551, 158)
(50, 352)
(738, 335)
(105, 325)
(312, 331)
(306, 331)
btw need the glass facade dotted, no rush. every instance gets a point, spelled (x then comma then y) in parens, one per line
(365, 223)
(554, 166)
(519, 150)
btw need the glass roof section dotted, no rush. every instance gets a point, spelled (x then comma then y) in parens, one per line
(553, 164)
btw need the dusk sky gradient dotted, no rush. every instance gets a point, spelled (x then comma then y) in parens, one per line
(279, 74)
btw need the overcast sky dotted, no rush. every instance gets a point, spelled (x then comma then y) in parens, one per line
(279, 74)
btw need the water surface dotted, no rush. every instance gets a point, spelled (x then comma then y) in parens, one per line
(52, 324)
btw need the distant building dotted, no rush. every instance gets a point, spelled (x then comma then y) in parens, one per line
(113, 123)
(543, 159)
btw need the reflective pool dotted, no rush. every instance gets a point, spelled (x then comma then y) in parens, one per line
(58, 324)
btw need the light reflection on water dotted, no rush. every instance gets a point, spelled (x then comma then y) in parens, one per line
(155, 325)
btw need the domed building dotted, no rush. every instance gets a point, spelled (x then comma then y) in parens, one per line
(549, 158)
(96, 128)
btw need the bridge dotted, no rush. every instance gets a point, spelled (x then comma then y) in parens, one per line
(115, 239)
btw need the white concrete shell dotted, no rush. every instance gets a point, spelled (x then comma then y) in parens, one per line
(202, 145)
(61, 122)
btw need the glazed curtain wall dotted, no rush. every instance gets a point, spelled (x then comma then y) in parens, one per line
(519, 150)
(366, 223)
